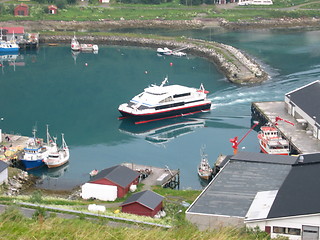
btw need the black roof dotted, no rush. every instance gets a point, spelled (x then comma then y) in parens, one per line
(308, 99)
(147, 198)
(233, 189)
(309, 158)
(299, 193)
(118, 174)
(3, 166)
(264, 158)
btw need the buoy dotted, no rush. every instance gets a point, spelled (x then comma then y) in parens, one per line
(146, 72)
(171, 64)
(86, 64)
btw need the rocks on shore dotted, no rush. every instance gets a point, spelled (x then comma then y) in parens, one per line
(236, 66)
(18, 182)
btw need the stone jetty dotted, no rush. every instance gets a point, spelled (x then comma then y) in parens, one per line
(237, 66)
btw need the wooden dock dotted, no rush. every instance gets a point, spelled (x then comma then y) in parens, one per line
(164, 177)
(301, 140)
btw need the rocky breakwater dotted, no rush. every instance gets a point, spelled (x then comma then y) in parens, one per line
(237, 66)
(18, 182)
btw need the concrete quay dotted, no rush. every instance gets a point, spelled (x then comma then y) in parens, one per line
(301, 140)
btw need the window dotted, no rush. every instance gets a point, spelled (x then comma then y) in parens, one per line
(284, 230)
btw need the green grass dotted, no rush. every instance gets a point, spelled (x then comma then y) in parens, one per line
(14, 226)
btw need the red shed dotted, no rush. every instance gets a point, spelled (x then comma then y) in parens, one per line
(53, 9)
(119, 176)
(146, 203)
(21, 10)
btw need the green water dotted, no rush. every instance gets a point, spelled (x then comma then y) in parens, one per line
(79, 96)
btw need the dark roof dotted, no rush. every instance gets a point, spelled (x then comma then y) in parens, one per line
(118, 174)
(309, 158)
(3, 166)
(308, 99)
(264, 158)
(299, 193)
(233, 189)
(147, 198)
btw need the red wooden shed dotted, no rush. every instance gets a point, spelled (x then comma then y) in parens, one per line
(53, 9)
(120, 176)
(21, 10)
(146, 203)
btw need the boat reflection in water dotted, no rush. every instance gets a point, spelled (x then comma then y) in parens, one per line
(11, 59)
(160, 132)
(47, 177)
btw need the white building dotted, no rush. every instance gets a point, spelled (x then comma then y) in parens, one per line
(292, 211)
(304, 105)
(3, 172)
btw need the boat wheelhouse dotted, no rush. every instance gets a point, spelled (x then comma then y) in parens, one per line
(271, 141)
(161, 102)
(58, 156)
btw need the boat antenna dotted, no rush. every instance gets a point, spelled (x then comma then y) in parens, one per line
(164, 81)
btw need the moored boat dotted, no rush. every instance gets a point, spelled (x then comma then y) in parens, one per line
(162, 102)
(58, 156)
(75, 45)
(271, 141)
(204, 168)
(35, 153)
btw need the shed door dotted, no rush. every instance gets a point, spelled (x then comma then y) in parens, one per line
(310, 233)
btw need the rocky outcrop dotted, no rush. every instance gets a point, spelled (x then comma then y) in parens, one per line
(21, 180)
(236, 66)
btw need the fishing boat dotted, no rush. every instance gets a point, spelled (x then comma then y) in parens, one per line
(35, 153)
(162, 102)
(57, 156)
(204, 168)
(76, 46)
(8, 46)
(271, 141)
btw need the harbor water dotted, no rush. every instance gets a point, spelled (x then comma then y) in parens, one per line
(78, 95)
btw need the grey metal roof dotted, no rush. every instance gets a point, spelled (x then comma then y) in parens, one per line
(3, 166)
(147, 198)
(118, 174)
(264, 158)
(232, 191)
(299, 194)
(309, 158)
(308, 99)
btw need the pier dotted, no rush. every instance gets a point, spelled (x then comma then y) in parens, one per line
(152, 176)
(301, 140)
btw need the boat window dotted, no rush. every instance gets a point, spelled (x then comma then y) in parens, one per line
(168, 99)
(181, 95)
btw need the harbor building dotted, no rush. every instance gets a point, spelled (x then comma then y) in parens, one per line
(227, 198)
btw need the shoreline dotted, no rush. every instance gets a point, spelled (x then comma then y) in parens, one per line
(237, 67)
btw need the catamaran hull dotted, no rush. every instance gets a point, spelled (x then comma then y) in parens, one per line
(170, 113)
(31, 164)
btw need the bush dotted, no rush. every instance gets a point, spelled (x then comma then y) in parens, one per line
(36, 197)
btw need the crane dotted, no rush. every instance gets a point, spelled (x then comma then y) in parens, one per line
(235, 142)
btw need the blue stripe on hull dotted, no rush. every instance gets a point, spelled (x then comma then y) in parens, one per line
(30, 164)
(8, 50)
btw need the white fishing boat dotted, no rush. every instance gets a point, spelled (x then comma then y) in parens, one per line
(58, 155)
(76, 46)
(162, 102)
(204, 168)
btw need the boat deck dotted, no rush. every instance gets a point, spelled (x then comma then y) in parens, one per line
(157, 176)
(300, 139)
